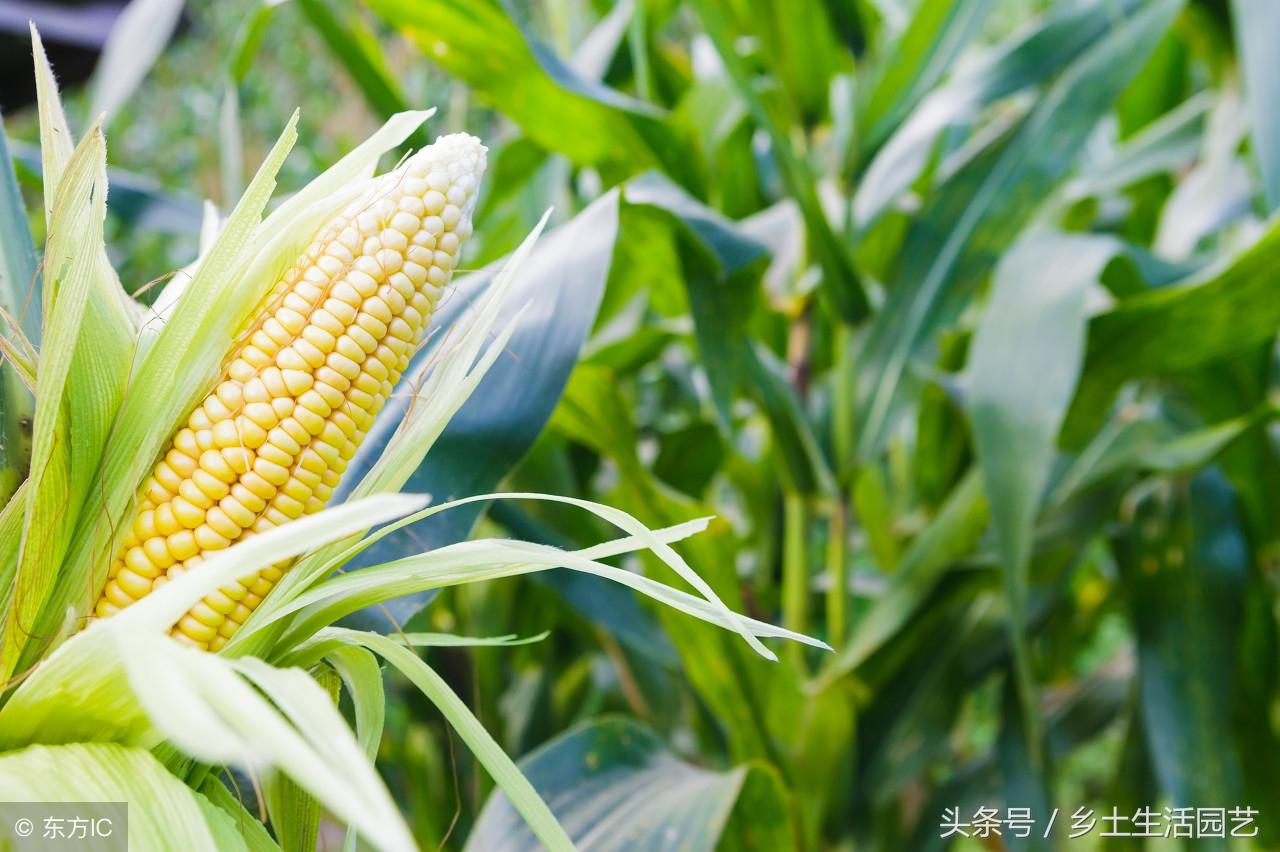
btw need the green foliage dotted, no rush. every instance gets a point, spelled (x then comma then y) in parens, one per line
(933, 299)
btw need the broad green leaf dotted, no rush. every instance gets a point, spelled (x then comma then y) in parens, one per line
(805, 463)
(721, 267)
(1147, 444)
(1216, 192)
(593, 54)
(968, 221)
(1186, 561)
(1221, 312)
(1022, 371)
(1077, 718)
(478, 42)
(1022, 767)
(20, 298)
(1027, 59)
(1257, 28)
(871, 506)
(615, 786)
(249, 38)
(798, 45)
(763, 816)
(163, 813)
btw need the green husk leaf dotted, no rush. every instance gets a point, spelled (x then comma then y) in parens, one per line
(165, 813)
(77, 218)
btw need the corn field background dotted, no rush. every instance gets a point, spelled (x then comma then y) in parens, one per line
(958, 318)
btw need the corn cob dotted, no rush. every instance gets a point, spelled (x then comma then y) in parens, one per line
(301, 389)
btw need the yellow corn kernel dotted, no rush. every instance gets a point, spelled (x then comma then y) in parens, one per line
(311, 371)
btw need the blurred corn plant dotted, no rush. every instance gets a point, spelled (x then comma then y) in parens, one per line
(110, 575)
(962, 317)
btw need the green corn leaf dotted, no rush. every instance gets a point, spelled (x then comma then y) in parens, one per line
(1218, 313)
(479, 42)
(254, 833)
(104, 351)
(951, 246)
(1022, 371)
(950, 535)
(135, 42)
(1049, 44)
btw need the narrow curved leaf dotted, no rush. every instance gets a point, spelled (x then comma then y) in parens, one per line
(840, 278)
